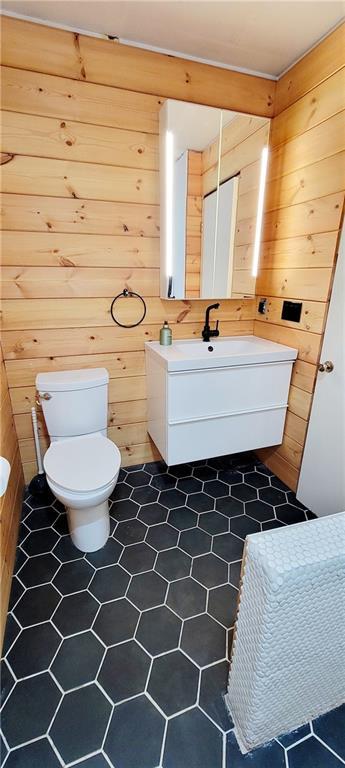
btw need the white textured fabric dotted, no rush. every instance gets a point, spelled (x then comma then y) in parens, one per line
(288, 656)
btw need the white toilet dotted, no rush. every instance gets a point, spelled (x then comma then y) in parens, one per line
(82, 465)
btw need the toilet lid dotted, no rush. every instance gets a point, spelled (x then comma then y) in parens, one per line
(83, 463)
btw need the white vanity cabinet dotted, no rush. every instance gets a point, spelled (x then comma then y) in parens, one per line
(209, 399)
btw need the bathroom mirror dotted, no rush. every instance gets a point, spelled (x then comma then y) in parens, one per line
(213, 171)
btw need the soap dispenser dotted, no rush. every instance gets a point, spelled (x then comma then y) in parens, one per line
(165, 335)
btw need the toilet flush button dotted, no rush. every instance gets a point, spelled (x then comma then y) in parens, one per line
(45, 395)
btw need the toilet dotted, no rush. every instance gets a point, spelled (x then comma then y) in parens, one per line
(82, 465)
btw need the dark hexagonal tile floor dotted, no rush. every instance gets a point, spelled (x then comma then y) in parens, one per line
(173, 564)
(34, 650)
(147, 590)
(39, 542)
(259, 510)
(172, 499)
(38, 753)
(136, 729)
(213, 523)
(108, 555)
(80, 724)
(222, 604)
(116, 621)
(162, 536)
(272, 496)
(159, 630)
(37, 605)
(75, 613)
(242, 526)
(77, 660)
(229, 506)
(109, 583)
(200, 502)
(151, 514)
(125, 509)
(173, 682)
(183, 518)
(138, 558)
(146, 494)
(287, 513)
(244, 492)
(193, 741)
(213, 686)
(195, 542)
(210, 570)
(203, 640)
(39, 570)
(73, 577)
(130, 532)
(100, 649)
(186, 597)
(124, 671)
(21, 723)
(228, 547)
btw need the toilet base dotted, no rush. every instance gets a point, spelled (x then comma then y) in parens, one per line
(89, 527)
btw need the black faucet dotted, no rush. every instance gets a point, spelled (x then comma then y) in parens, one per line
(207, 333)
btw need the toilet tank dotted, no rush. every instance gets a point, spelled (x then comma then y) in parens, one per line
(74, 402)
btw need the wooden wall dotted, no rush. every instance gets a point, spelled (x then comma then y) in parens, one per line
(304, 208)
(11, 501)
(193, 224)
(80, 213)
(81, 219)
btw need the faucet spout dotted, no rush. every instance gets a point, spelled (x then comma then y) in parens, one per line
(207, 332)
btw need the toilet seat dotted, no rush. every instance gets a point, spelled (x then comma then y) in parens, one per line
(82, 464)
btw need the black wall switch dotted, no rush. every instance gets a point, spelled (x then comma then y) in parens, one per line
(262, 306)
(292, 311)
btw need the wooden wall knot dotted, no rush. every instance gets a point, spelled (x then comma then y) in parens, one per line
(6, 157)
(80, 58)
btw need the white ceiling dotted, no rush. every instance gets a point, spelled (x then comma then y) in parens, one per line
(259, 36)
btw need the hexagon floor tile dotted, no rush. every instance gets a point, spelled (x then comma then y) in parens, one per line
(123, 652)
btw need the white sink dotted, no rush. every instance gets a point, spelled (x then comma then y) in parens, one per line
(219, 353)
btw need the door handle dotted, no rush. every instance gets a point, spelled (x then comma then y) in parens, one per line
(326, 367)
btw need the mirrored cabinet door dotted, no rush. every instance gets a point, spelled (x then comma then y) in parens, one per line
(212, 173)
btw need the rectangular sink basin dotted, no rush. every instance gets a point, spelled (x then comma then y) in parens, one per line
(219, 353)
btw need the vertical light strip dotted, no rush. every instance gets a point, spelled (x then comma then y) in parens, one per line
(169, 202)
(260, 211)
(217, 199)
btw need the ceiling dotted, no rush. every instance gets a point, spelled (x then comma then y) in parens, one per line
(260, 36)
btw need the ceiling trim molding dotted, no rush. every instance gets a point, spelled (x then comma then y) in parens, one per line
(134, 44)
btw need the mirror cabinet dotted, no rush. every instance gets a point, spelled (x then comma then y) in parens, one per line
(213, 170)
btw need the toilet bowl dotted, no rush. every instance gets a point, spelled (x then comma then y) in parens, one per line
(82, 473)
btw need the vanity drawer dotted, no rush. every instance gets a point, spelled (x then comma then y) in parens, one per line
(213, 392)
(190, 441)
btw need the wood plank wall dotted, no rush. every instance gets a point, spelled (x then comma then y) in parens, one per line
(11, 501)
(194, 224)
(80, 213)
(304, 209)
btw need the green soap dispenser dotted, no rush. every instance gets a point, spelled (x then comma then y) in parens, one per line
(165, 335)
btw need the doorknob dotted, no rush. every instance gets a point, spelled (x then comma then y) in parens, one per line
(326, 367)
